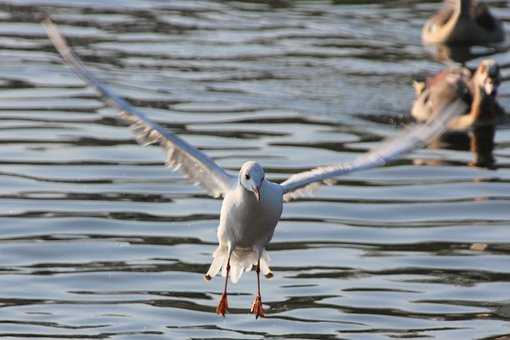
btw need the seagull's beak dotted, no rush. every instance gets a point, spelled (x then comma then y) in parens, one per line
(256, 191)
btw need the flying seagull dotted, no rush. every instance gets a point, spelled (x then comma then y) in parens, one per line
(252, 204)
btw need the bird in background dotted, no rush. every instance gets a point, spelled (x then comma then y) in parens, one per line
(463, 22)
(481, 85)
(252, 204)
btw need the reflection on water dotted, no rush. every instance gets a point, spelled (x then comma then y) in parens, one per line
(99, 240)
(450, 54)
(480, 141)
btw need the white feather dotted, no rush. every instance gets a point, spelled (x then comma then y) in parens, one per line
(194, 163)
(242, 260)
(391, 149)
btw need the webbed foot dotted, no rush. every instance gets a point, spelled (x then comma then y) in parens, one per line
(256, 307)
(222, 305)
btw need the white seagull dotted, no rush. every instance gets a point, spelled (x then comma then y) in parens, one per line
(252, 204)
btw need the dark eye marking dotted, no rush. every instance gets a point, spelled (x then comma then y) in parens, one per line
(247, 176)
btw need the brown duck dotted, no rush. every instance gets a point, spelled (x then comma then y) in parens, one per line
(481, 89)
(463, 22)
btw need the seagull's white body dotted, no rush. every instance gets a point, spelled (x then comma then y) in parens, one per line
(246, 227)
(246, 222)
(252, 205)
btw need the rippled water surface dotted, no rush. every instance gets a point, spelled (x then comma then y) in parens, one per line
(99, 240)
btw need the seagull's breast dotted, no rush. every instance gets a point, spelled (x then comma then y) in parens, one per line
(247, 222)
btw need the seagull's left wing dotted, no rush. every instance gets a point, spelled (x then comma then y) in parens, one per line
(416, 136)
(179, 154)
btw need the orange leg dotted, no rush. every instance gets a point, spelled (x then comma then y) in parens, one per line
(223, 304)
(256, 307)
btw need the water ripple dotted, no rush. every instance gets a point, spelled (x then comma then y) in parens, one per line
(100, 241)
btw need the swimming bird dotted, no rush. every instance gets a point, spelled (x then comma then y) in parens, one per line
(481, 85)
(252, 204)
(463, 22)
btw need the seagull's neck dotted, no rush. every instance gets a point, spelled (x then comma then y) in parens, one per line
(245, 195)
(248, 195)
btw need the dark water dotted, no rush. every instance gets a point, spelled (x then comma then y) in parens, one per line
(99, 241)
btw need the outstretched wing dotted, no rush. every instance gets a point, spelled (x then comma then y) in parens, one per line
(179, 154)
(408, 140)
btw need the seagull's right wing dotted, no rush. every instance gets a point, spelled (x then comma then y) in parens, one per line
(179, 154)
(408, 140)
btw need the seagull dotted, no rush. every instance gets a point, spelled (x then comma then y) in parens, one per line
(252, 204)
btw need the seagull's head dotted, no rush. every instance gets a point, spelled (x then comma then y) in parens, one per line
(251, 177)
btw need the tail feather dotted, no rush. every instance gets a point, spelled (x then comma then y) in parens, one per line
(241, 260)
(220, 256)
(264, 264)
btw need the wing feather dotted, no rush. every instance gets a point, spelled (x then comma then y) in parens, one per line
(410, 139)
(198, 167)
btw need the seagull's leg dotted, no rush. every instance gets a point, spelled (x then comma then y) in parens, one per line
(223, 304)
(256, 307)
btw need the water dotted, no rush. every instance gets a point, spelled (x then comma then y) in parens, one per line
(99, 241)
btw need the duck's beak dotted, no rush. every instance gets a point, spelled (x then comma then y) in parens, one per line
(490, 88)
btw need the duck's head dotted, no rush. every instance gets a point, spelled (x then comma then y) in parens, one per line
(487, 77)
(251, 177)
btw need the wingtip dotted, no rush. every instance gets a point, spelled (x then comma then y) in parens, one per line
(49, 25)
(56, 38)
(47, 21)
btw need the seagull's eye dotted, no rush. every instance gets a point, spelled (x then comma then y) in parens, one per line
(247, 177)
